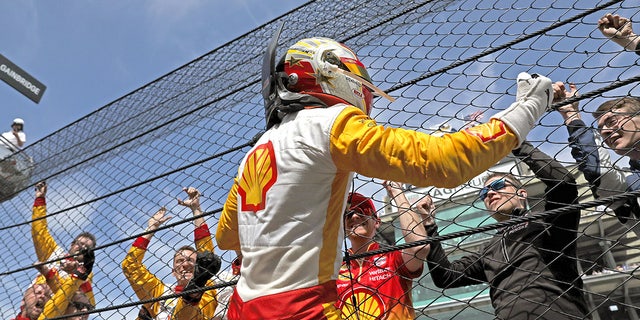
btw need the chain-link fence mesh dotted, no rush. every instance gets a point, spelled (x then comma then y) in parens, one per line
(447, 63)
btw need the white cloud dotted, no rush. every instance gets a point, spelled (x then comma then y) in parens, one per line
(67, 224)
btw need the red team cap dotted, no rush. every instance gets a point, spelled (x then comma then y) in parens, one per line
(361, 204)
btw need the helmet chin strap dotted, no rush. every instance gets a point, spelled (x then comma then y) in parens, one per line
(369, 85)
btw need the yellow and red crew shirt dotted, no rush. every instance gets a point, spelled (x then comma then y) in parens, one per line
(376, 287)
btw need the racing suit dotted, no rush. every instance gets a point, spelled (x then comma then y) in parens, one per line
(380, 285)
(531, 266)
(148, 286)
(284, 210)
(47, 249)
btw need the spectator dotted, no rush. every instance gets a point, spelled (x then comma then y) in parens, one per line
(16, 137)
(619, 30)
(379, 286)
(190, 266)
(617, 123)
(68, 299)
(33, 301)
(48, 249)
(284, 211)
(531, 267)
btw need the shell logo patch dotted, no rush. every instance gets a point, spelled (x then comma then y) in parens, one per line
(380, 262)
(488, 133)
(258, 176)
(368, 306)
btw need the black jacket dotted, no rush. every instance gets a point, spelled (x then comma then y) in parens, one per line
(531, 267)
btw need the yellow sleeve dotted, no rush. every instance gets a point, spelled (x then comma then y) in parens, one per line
(359, 144)
(204, 310)
(57, 305)
(227, 236)
(144, 283)
(42, 239)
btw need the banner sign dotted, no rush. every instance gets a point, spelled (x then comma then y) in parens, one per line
(20, 80)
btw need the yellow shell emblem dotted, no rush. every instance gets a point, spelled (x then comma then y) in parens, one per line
(368, 305)
(258, 176)
(493, 131)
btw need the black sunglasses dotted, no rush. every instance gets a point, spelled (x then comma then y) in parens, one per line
(495, 186)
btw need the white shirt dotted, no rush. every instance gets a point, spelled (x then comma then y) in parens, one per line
(12, 138)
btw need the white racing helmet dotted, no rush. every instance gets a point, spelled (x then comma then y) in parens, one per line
(325, 66)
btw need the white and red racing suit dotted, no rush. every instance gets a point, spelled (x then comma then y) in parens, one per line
(284, 211)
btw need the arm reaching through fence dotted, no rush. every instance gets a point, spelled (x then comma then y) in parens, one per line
(619, 30)
(412, 222)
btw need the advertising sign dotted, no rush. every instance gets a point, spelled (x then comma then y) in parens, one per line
(21, 80)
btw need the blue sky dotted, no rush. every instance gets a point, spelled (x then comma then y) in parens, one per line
(90, 53)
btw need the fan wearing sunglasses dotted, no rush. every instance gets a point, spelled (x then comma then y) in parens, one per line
(531, 266)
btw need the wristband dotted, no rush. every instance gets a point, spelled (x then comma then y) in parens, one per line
(51, 274)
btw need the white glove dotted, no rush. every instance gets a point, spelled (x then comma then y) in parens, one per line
(533, 98)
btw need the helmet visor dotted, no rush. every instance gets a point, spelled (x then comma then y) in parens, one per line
(356, 67)
(374, 90)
